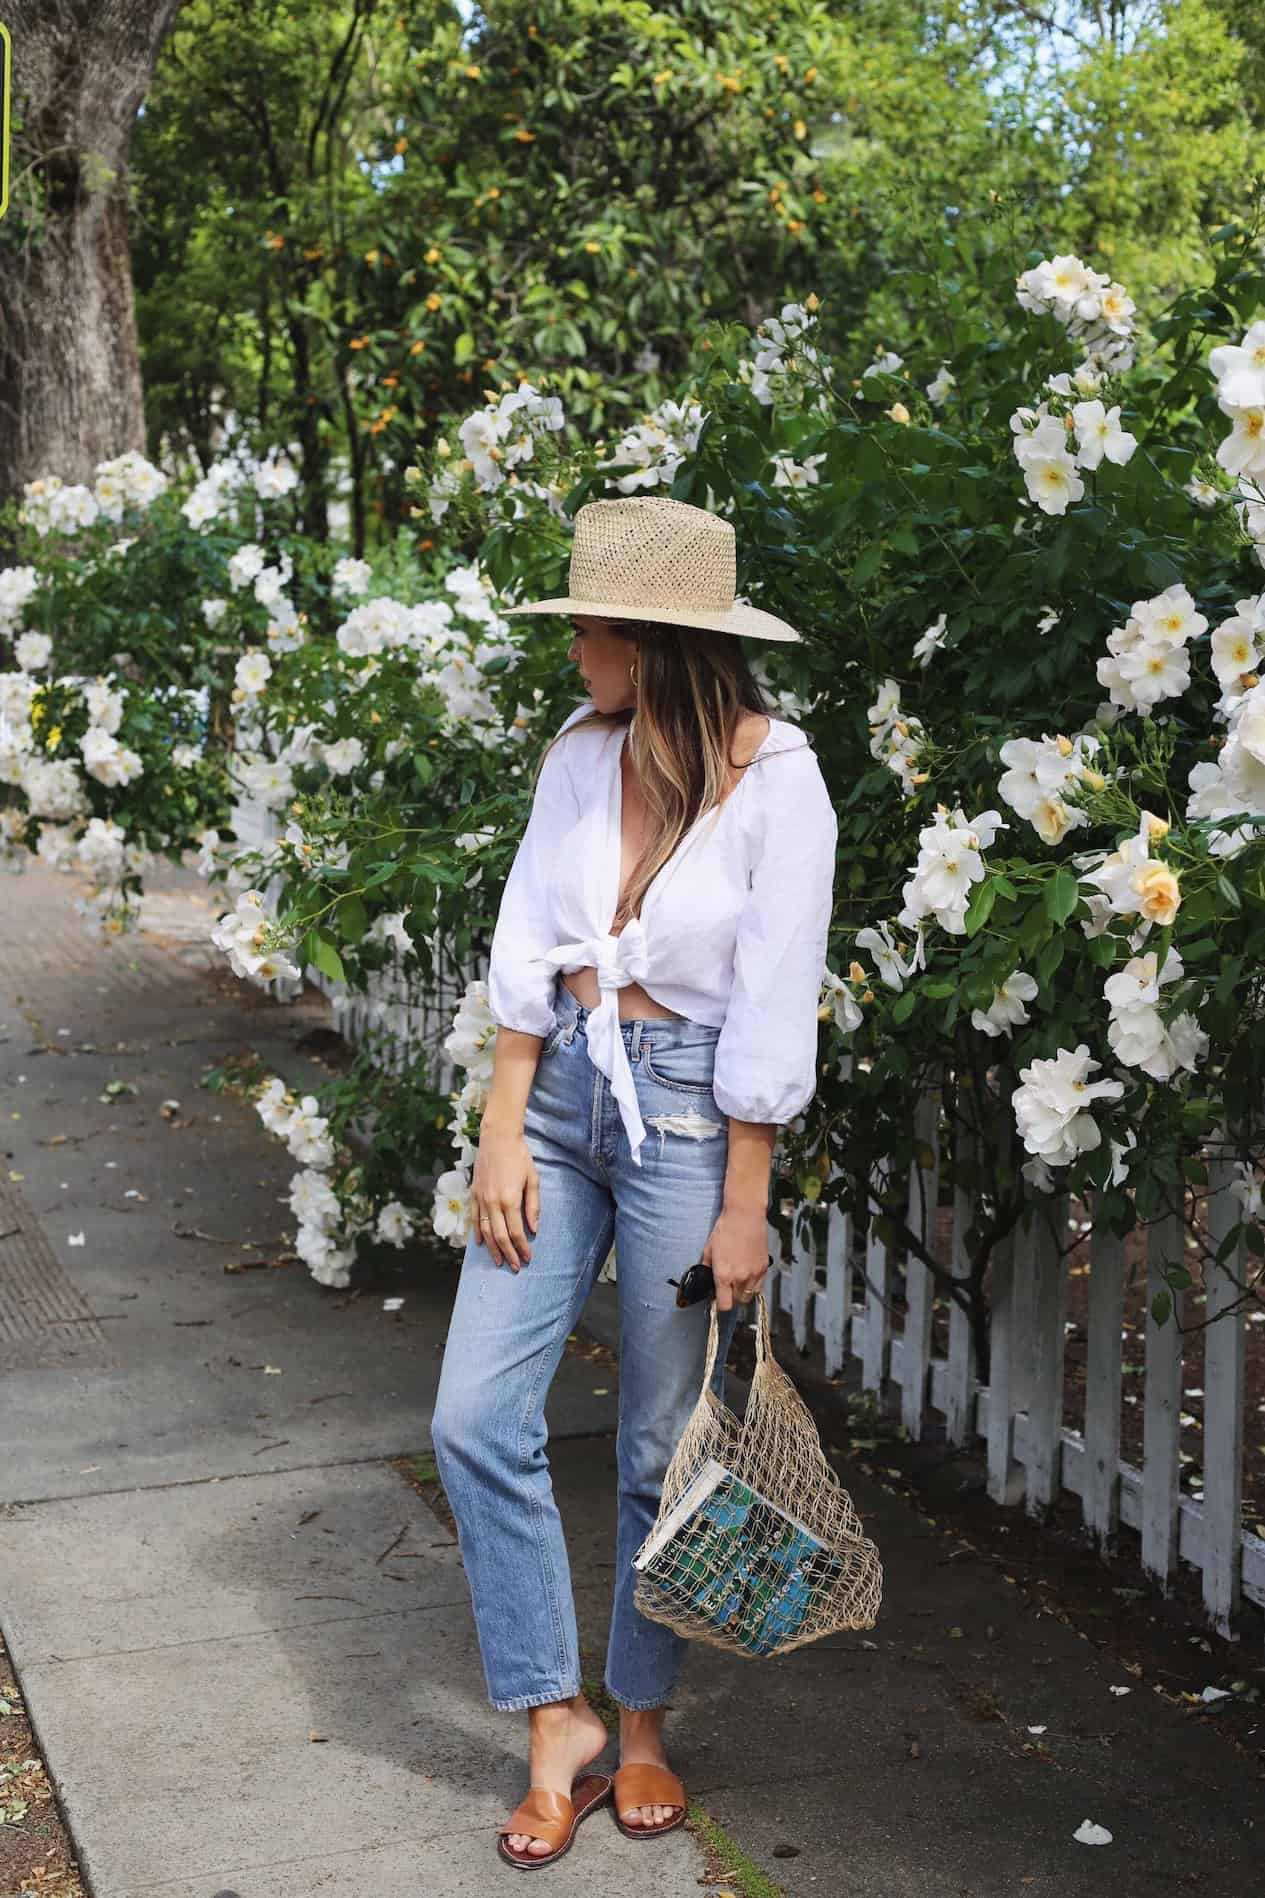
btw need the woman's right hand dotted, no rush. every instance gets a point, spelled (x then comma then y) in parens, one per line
(503, 1189)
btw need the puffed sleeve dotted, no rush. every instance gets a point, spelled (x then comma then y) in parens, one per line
(520, 993)
(766, 1053)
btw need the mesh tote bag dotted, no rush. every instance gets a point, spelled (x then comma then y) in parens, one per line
(757, 1548)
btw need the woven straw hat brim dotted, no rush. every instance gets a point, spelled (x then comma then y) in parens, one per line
(747, 621)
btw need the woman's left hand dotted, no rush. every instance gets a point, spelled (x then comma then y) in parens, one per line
(738, 1253)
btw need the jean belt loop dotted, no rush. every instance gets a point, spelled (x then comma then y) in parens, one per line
(634, 1040)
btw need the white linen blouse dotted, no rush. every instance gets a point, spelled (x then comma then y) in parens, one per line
(732, 931)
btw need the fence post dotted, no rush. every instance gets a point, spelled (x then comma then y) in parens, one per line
(877, 1299)
(803, 1273)
(838, 1312)
(1045, 1411)
(1006, 1477)
(924, 1194)
(1161, 1469)
(1006, 1339)
(1223, 1402)
(960, 1379)
(1100, 1499)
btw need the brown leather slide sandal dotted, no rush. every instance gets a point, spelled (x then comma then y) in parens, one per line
(648, 1786)
(554, 1818)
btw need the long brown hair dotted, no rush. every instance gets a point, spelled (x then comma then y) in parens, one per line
(692, 689)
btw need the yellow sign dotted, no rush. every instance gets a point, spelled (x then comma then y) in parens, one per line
(6, 62)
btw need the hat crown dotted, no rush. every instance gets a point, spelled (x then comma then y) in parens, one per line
(650, 551)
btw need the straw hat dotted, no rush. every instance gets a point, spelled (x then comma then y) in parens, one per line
(648, 557)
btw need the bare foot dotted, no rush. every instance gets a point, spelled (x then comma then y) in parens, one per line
(566, 1736)
(641, 1744)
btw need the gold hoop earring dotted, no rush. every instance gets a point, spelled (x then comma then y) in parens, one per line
(632, 672)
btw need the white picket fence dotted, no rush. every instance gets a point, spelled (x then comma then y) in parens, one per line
(837, 1287)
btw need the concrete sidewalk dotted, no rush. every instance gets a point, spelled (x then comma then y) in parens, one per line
(245, 1639)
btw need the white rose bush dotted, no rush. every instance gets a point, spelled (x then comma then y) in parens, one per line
(1025, 541)
(1023, 546)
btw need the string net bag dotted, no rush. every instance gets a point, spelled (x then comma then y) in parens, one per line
(757, 1547)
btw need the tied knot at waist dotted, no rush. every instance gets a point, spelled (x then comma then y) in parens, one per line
(619, 961)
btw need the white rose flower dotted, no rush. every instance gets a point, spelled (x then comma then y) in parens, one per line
(1051, 1107)
(252, 672)
(451, 1215)
(1240, 369)
(54, 789)
(351, 576)
(245, 564)
(1006, 1010)
(106, 760)
(105, 704)
(18, 585)
(32, 651)
(930, 642)
(343, 756)
(1052, 482)
(307, 1134)
(1099, 435)
(396, 1224)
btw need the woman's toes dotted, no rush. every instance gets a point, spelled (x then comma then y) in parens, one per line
(538, 1847)
(649, 1815)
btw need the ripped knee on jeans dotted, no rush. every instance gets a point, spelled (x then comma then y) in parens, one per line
(691, 1124)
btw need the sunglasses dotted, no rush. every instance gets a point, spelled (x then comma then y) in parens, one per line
(696, 1284)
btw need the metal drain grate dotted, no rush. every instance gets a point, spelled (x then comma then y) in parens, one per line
(44, 1320)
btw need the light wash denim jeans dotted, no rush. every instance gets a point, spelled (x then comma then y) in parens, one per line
(509, 1330)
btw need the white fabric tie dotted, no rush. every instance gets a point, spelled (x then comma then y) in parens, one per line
(619, 961)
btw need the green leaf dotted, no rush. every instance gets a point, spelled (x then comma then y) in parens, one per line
(868, 563)
(980, 907)
(1051, 956)
(904, 1005)
(327, 959)
(1229, 892)
(1161, 1306)
(1061, 895)
(352, 918)
(463, 349)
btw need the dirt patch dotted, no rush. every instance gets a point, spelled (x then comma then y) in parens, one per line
(35, 1851)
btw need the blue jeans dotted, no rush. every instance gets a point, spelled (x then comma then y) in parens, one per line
(509, 1330)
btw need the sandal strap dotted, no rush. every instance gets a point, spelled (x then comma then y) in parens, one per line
(543, 1815)
(647, 1786)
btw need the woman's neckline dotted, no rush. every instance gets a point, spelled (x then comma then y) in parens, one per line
(685, 838)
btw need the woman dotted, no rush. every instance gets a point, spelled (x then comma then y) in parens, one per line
(655, 974)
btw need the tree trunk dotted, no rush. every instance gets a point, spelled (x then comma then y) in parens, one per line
(70, 381)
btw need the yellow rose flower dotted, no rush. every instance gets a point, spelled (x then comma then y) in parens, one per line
(1159, 895)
